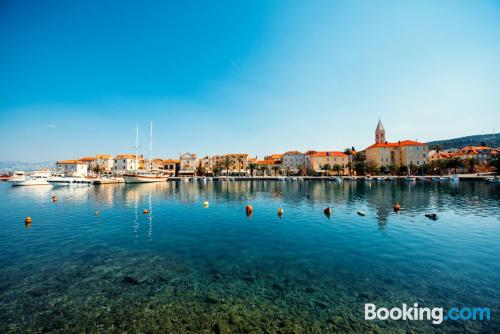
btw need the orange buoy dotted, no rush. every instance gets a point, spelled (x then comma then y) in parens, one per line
(328, 212)
(397, 207)
(145, 211)
(27, 220)
(248, 210)
(53, 197)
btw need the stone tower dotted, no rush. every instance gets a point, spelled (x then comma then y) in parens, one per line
(379, 133)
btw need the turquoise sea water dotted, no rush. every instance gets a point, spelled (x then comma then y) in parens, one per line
(187, 268)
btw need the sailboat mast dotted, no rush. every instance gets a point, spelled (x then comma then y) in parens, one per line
(150, 145)
(136, 146)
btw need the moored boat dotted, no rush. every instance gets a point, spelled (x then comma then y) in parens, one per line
(38, 178)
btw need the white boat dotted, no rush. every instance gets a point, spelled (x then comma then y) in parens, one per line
(410, 178)
(454, 178)
(144, 176)
(38, 178)
(58, 181)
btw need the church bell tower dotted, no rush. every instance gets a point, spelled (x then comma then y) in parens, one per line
(379, 133)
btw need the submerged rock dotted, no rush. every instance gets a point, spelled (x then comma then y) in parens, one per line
(131, 280)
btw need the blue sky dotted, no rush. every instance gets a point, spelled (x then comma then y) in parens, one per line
(242, 76)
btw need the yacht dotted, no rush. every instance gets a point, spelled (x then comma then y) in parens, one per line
(150, 175)
(38, 178)
(68, 180)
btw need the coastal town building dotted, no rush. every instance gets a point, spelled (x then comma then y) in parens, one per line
(293, 161)
(188, 164)
(127, 162)
(91, 163)
(171, 166)
(327, 161)
(268, 167)
(73, 167)
(105, 162)
(401, 153)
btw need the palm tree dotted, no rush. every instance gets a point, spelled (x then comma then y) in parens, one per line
(336, 168)
(217, 167)
(326, 168)
(455, 163)
(227, 163)
(437, 148)
(252, 166)
(348, 152)
(471, 163)
(393, 169)
(264, 170)
(240, 164)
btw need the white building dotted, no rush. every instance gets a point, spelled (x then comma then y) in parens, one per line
(74, 167)
(127, 163)
(105, 161)
(188, 164)
(293, 161)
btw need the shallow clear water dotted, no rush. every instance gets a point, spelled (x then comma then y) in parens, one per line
(187, 268)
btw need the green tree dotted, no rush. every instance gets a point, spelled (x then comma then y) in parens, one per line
(252, 167)
(371, 167)
(326, 168)
(471, 163)
(455, 163)
(495, 163)
(336, 168)
(393, 169)
(348, 152)
(383, 169)
(227, 163)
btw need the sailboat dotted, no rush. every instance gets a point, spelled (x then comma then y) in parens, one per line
(143, 176)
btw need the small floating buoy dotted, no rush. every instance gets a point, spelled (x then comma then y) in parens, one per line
(97, 213)
(53, 197)
(361, 213)
(205, 204)
(27, 220)
(280, 212)
(248, 210)
(145, 211)
(328, 212)
(397, 207)
(432, 216)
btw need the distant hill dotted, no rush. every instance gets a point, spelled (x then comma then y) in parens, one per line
(26, 166)
(492, 140)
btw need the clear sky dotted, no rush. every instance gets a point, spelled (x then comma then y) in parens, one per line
(242, 76)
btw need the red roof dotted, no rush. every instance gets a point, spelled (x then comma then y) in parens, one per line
(398, 144)
(329, 154)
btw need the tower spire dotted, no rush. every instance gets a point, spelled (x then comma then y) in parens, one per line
(379, 133)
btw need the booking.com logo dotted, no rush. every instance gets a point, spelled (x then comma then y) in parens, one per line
(436, 314)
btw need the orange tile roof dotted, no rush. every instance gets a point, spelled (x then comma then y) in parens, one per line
(267, 162)
(329, 154)
(128, 156)
(311, 152)
(171, 161)
(103, 156)
(70, 162)
(237, 154)
(398, 144)
(292, 153)
(87, 159)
